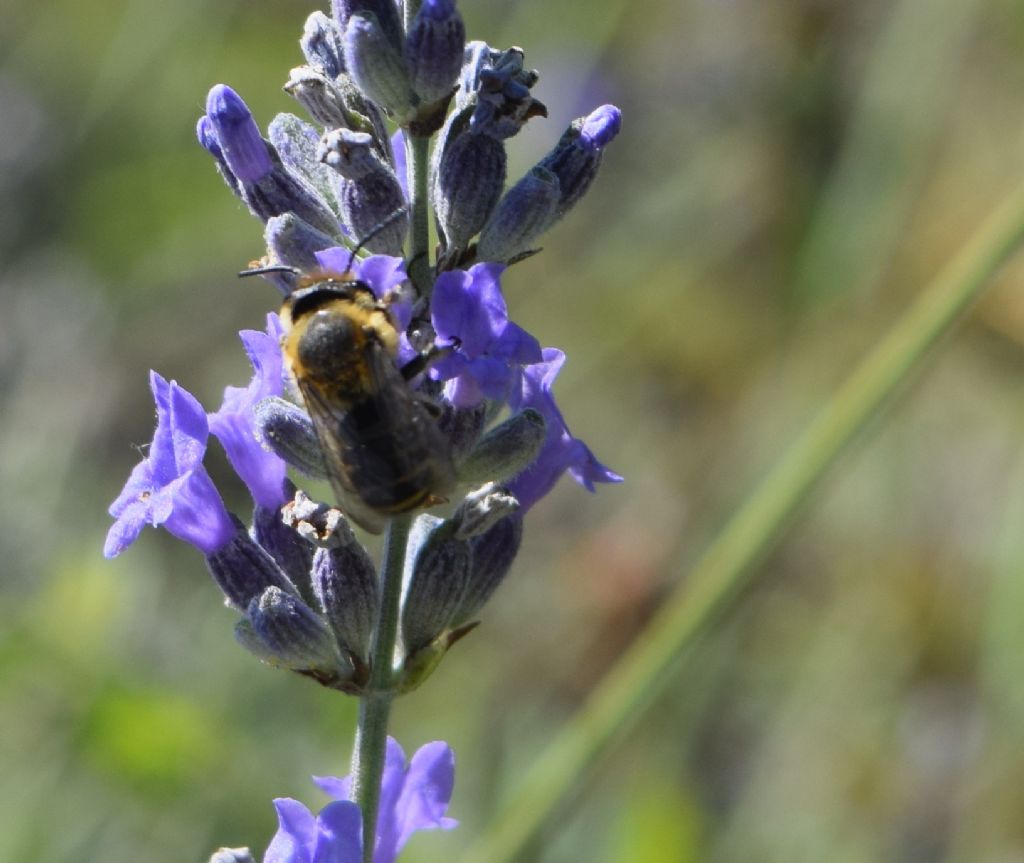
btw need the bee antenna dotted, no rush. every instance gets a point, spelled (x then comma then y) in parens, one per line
(374, 231)
(274, 268)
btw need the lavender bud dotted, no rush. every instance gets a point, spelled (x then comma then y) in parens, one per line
(243, 570)
(434, 49)
(286, 429)
(506, 449)
(296, 142)
(292, 242)
(208, 139)
(321, 45)
(345, 584)
(386, 12)
(491, 557)
(436, 587)
(370, 192)
(481, 509)
(241, 144)
(291, 552)
(231, 855)
(477, 57)
(467, 185)
(282, 192)
(522, 215)
(503, 103)
(324, 99)
(376, 65)
(577, 156)
(319, 524)
(283, 631)
(262, 181)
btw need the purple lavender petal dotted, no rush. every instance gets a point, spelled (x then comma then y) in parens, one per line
(561, 451)
(333, 786)
(335, 260)
(412, 798)
(398, 156)
(263, 472)
(388, 823)
(380, 272)
(340, 834)
(517, 346)
(467, 306)
(601, 126)
(426, 792)
(587, 470)
(239, 137)
(295, 840)
(170, 487)
(383, 273)
(191, 509)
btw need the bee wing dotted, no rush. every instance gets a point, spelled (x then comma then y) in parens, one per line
(329, 418)
(413, 426)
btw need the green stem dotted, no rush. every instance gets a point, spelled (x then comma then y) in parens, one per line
(411, 8)
(417, 158)
(375, 705)
(647, 668)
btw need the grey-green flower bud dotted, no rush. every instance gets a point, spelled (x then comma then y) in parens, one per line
(293, 553)
(491, 557)
(321, 45)
(296, 142)
(522, 215)
(285, 632)
(506, 449)
(345, 584)
(231, 855)
(376, 65)
(243, 570)
(436, 586)
(468, 182)
(286, 430)
(317, 523)
(481, 509)
(294, 243)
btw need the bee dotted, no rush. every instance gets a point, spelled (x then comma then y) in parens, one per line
(382, 448)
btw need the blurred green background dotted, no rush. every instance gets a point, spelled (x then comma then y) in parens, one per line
(789, 175)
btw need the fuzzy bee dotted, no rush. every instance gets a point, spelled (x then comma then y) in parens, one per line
(383, 451)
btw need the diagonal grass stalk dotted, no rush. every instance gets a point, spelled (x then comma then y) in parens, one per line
(728, 564)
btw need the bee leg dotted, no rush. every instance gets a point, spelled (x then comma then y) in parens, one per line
(423, 360)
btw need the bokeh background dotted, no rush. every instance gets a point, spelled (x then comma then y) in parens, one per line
(790, 174)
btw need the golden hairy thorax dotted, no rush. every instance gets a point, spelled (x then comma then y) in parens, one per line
(331, 328)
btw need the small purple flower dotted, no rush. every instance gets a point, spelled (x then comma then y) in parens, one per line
(561, 451)
(170, 487)
(468, 309)
(413, 797)
(263, 472)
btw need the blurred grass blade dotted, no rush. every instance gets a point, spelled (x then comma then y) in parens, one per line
(727, 565)
(901, 103)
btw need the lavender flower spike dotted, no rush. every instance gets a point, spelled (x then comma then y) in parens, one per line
(412, 798)
(170, 487)
(262, 472)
